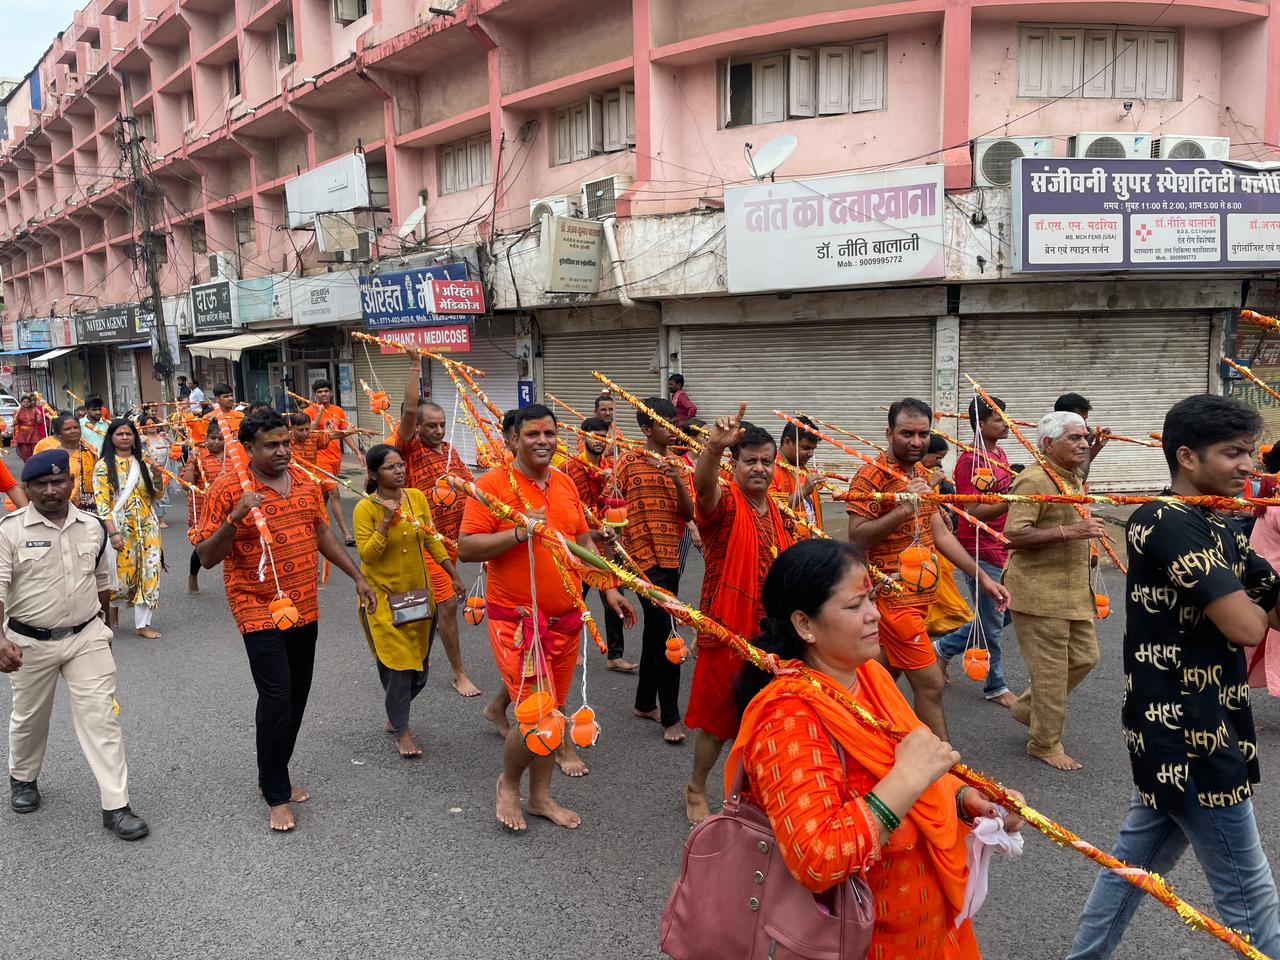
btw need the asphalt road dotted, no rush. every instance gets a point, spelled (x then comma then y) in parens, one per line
(396, 859)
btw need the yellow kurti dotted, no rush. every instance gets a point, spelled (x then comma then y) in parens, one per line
(393, 564)
(139, 560)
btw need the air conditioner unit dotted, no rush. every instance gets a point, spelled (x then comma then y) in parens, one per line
(552, 207)
(993, 157)
(1110, 146)
(600, 197)
(222, 266)
(361, 254)
(1174, 146)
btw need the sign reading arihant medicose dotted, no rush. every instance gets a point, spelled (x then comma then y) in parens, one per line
(450, 339)
(1080, 214)
(836, 231)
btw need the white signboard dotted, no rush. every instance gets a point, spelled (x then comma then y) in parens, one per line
(571, 254)
(836, 231)
(325, 298)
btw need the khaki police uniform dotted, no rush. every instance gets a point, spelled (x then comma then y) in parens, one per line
(50, 578)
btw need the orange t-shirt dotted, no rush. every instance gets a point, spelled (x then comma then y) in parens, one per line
(424, 467)
(507, 577)
(208, 469)
(784, 486)
(311, 449)
(294, 522)
(199, 428)
(878, 476)
(331, 419)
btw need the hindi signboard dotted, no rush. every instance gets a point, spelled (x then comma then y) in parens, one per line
(402, 298)
(213, 308)
(1080, 214)
(838, 231)
(571, 250)
(457, 296)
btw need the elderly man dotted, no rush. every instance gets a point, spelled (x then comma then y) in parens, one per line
(1048, 576)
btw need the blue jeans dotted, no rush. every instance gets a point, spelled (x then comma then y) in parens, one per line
(1225, 841)
(993, 624)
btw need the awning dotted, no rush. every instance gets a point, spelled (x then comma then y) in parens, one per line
(138, 345)
(44, 358)
(230, 348)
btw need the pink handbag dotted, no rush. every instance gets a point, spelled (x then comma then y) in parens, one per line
(736, 899)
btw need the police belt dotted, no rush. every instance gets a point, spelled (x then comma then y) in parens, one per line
(41, 633)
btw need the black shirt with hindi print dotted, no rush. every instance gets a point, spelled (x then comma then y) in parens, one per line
(1186, 708)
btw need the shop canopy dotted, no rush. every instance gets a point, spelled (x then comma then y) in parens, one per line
(230, 348)
(44, 358)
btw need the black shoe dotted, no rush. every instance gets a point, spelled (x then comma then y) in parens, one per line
(23, 796)
(125, 824)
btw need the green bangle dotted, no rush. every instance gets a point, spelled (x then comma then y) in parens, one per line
(964, 818)
(881, 809)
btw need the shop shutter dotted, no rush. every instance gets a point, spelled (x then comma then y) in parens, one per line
(626, 357)
(493, 354)
(1131, 368)
(842, 372)
(381, 372)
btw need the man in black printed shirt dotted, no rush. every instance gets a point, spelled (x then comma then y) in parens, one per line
(1197, 595)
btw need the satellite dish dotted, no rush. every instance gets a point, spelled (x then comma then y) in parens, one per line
(412, 223)
(771, 156)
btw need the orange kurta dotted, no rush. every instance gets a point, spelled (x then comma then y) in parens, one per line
(208, 469)
(783, 488)
(820, 819)
(331, 419)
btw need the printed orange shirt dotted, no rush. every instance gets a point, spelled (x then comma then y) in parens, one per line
(426, 466)
(507, 575)
(784, 486)
(208, 469)
(309, 450)
(331, 419)
(589, 480)
(294, 522)
(878, 476)
(654, 528)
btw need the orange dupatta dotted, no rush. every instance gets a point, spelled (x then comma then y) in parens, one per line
(934, 814)
(737, 603)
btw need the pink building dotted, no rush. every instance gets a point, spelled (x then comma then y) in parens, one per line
(478, 112)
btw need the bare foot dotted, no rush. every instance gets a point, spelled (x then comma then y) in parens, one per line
(696, 807)
(673, 735)
(1060, 761)
(569, 762)
(497, 717)
(560, 816)
(623, 666)
(193, 585)
(149, 634)
(408, 746)
(1006, 700)
(163, 525)
(462, 683)
(508, 810)
(647, 714)
(296, 795)
(282, 818)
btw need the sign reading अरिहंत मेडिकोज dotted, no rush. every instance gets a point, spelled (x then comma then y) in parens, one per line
(1080, 214)
(840, 231)
(571, 254)
(402, 298)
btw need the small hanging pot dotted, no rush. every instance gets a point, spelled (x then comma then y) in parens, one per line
(977, 663)
(473, 613)
(584, 729)
(534, 707)
(983, 479)
(443, 495)
(918, 569)
(284, 614)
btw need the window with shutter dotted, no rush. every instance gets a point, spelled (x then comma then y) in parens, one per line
(614, 123)
(739, 94)
(1162, 65)
(563, 140)
(595, 124)
(580, 115)
(1097, 62)
(1033, 62)
(1066, 61)
(1098, 65)
(477, 162)
(1131, 64)
(867, 76)
(833, 79)
(803, 83)
(629, 114)
(769, 89)
(448, 178)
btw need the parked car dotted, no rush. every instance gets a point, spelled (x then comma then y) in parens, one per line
(8, 407)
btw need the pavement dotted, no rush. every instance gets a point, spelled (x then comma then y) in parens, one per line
(398, 858)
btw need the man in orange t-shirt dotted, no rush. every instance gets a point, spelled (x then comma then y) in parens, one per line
(428, 457)
(801, 497)
(526, 606)
(884, 531)
(280, 659)
(332, 419)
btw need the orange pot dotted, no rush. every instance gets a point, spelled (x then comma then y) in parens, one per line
(983, 479)
(615, 517)
(442, 494)
(544, 737)
(175, 452)
(677, 652)
(284, 614)
(1102, 603)
(534, 707)
(473, 613)
(584, 730)
(918, 569)
(379, 401)
(977, 663)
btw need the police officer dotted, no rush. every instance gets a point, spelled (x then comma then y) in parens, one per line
(55, 589)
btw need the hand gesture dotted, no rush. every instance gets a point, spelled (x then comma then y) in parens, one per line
(389, 508)
(249, 501)
(995, 590)
(811, 481)
(1090, 528)
(670, 471)
(727, 431)
(976, 805)
(920, 754)
(368, 599)
(618, 604)
(919, 486)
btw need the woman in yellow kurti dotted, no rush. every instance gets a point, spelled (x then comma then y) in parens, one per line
(126, 488)
(65, 435)
(391, 548)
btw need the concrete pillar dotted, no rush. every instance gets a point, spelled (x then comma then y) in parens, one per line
(946, 371)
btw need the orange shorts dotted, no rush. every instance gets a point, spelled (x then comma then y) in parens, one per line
(327, 485)
(517, 667)
(441, 585)
(903, 637)
(711, 704)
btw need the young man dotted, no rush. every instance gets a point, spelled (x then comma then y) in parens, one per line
(801, 496)
(987, 472)
(686, 409)
(1197, 595)
(510, 607)
(331, 418)
(659, 507)
(742, 531)
(205, 466)
(225, 404)
(196, 400)
(604, 410)
(884, 531)
(1081, 407)
(281, 660)
(1049, 577)
(429, 457)
(55, 589)
(93, 426)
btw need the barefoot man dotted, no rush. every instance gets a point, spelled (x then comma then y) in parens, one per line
(281, 661)
(742, 532)
(515, 581)
(429, 457)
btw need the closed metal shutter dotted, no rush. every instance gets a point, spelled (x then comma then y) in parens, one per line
(627, 357)
(496, 356)
(1131, 368)
(841, 372)
(381, 372)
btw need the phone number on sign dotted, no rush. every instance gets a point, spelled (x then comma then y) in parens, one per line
(868, 262)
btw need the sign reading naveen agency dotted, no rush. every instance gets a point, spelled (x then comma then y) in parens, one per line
(113, 324)
(838, 231)
(1080, 214)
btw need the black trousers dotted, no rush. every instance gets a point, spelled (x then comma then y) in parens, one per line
(659, 681)
(613, 632)
(400, 687)
(281, 662)
(195, 563)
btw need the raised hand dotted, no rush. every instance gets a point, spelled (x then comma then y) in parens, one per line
(727, 431)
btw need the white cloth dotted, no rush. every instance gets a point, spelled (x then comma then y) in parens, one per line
(196, 400)
(142, 616)
(987, 836)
